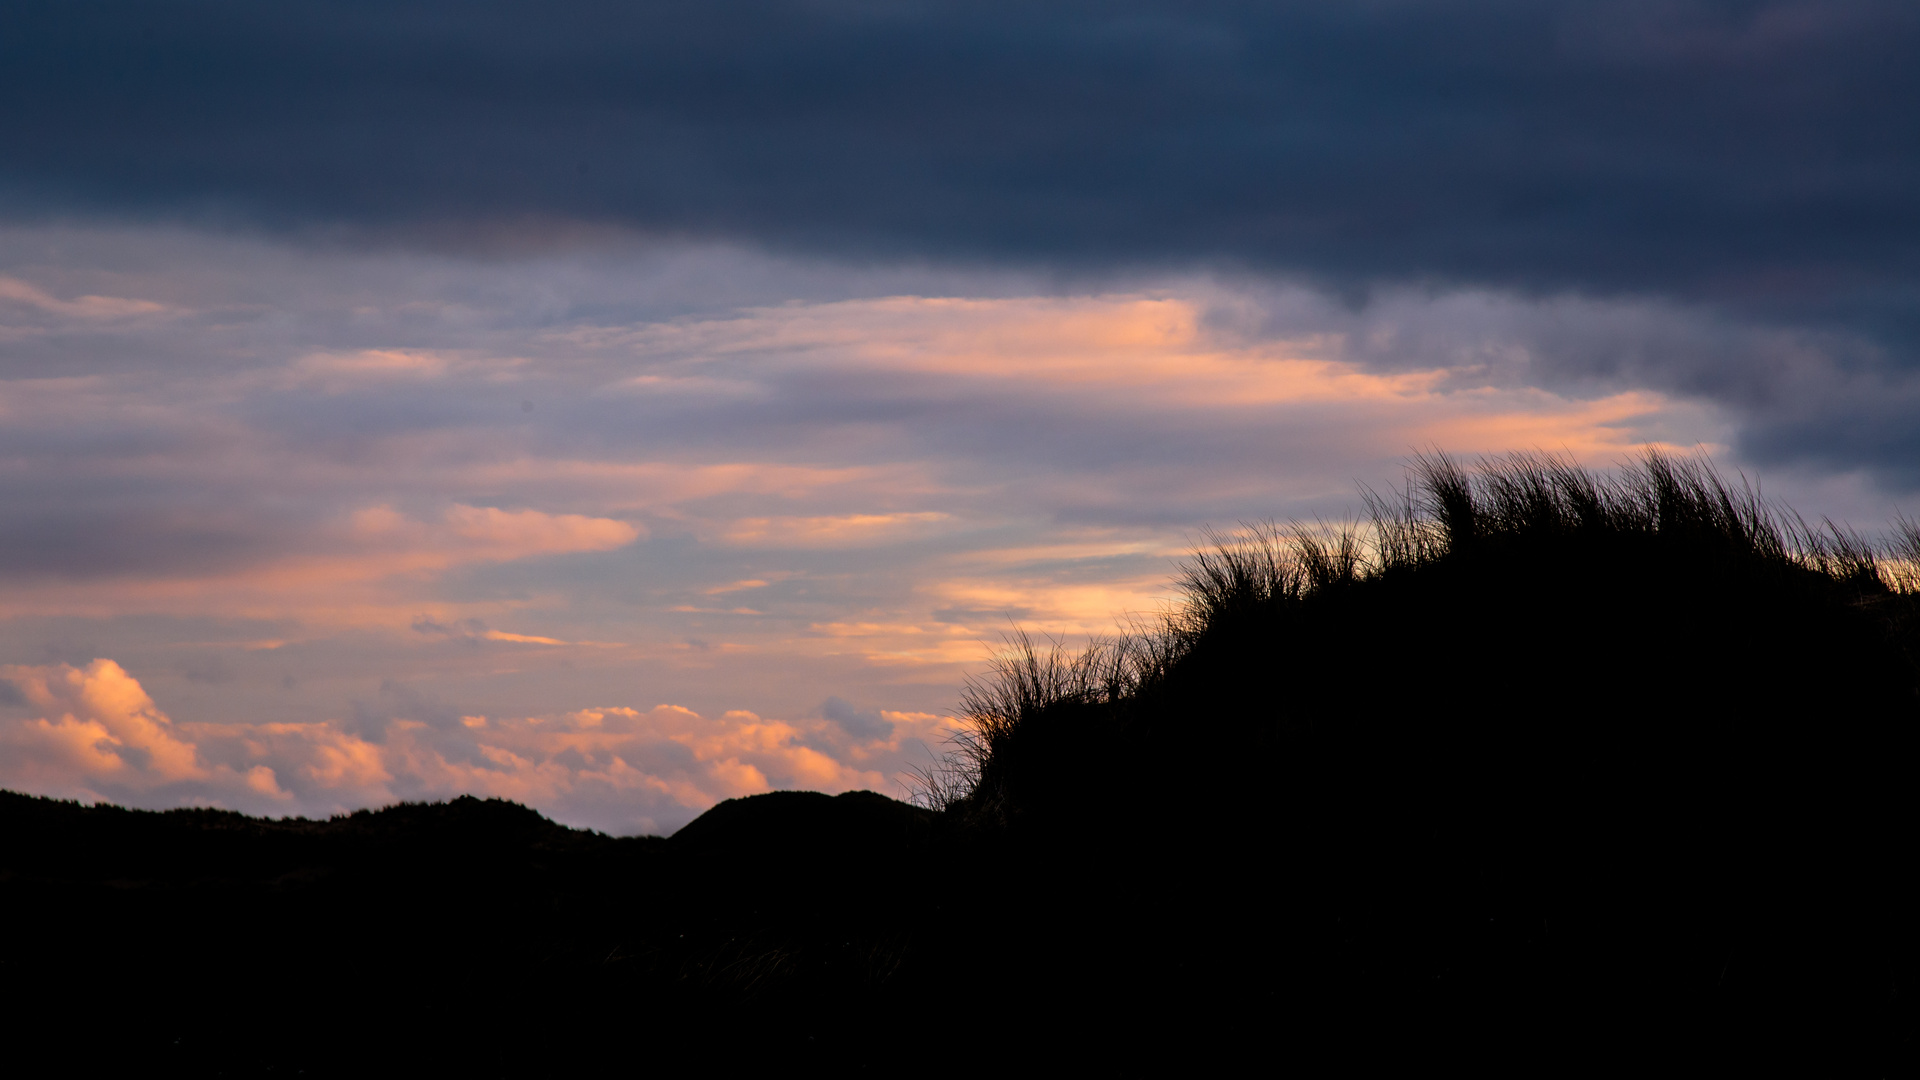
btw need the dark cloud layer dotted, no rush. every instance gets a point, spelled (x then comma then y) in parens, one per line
(1751, 150)
(1753, 162)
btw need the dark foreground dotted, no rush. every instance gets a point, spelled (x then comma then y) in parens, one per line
(860, 934)
(852, 932)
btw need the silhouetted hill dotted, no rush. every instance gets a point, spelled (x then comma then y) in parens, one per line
(1537, 767)
(470, 936)
(807, 825)
(1537, 772)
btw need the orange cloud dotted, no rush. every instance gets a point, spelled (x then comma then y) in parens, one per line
(525, 639)
(392, 543)
(353, 578)
(1134, 351)
(337, 371)
(104, 722)
(103, 737)
(842, 531)
(1607, 428)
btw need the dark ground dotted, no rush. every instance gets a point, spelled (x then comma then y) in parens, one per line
(852, 932)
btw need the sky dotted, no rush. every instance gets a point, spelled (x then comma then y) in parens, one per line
(623, 407)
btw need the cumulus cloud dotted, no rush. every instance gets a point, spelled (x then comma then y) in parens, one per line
(98, 735)
(102, 722)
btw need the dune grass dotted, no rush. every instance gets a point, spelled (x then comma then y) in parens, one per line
(1673, 521)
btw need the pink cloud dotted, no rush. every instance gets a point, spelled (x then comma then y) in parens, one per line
(99, 732)
(357, 570)
(390, 542)
(100, 720)
(102, 737)
(86, 308)
(831, 531)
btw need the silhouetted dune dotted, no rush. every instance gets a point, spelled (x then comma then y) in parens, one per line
(808, 825)
(473, 936)
(1537, 772)
(1537, 766)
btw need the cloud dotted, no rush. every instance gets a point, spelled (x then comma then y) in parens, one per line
(840, 531)
(106, 722)
(396, 544)
(615, 768)
(99, 735)
(1747, 162)
(1699, 147)
(85, 308)
(474, 630)
(855, 721)
(348, 566)
(338, 372)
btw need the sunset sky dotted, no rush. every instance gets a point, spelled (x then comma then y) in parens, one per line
(620, 407)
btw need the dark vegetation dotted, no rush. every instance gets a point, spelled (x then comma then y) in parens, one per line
(1537, 772)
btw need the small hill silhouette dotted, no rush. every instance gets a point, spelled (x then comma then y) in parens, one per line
(808, 826)
(1538, 771)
